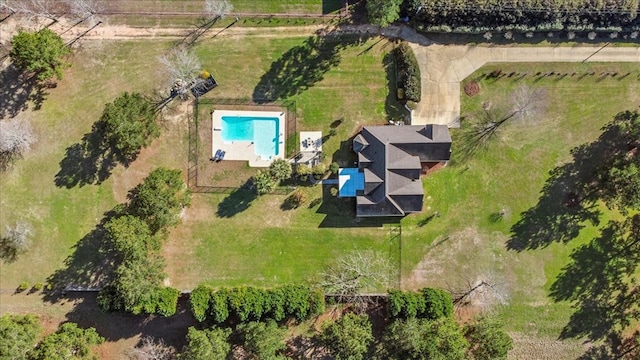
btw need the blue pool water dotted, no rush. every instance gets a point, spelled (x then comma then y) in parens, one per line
(350, 180)
(263, 131)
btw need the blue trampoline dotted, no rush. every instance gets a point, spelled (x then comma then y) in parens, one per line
(350, 180)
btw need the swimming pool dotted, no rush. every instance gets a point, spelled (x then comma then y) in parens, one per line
(263, 132)
(350, 180)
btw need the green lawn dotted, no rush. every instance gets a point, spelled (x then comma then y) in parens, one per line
(239, 239)
(243, 240)
(291, 245)
(62, 216)
(254, 13)
(316, 7)
(464, 243)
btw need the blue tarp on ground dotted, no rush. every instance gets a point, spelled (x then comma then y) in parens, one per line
(350, 180)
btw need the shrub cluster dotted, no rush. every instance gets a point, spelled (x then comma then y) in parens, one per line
(477, 16)
(251, 303)
(408, 74)
(265, 181)
(427, 303)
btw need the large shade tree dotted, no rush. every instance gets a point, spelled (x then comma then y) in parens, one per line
(262, 340)
(151, 349)
(421, 339)
(160, 199)
(349, 337)
(15, 241)
(619, 174)
(383, 12)
(16, 137)
(42, 53)
(130, 237)
(18, 334)
(206, 344)
(68, 342)
(129, 124)
(488, 340)
(355, 274)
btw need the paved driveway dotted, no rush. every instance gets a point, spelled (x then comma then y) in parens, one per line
(444, 66)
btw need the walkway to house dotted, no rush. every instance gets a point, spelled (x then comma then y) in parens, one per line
(443, 67)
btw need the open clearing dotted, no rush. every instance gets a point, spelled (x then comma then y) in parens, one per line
(233, 239)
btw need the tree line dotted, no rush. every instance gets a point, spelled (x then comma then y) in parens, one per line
(19, 335)
(519, 15)
(135, 236)
(260, 331)
(420, 325)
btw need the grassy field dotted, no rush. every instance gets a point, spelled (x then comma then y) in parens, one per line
(63, 216)
(293, 245)
(342, 84)
(315, 7)
(214, 243)
(251, 12)
(468, 240)
(60, 215)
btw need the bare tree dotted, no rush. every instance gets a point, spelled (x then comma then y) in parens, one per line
(217, 8)
(16, 241)
(34, 8)
(529, 103)
(484, 292)
(149, 349)
(6, 6)
(181, 68)
(16, 137)
(83, 9)
(526, 105)
(355, 274)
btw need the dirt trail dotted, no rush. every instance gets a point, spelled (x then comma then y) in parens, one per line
(105, 31)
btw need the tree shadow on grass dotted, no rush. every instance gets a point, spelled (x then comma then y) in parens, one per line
(392, 107)
(238, 201)
(341, 213)
(200, 27)
(569, 197)
(89, 161)
(89, 266)
(303, 66)
(329, 6)
(598, 281)
(17, 90)
(115, 326)
(615, 347)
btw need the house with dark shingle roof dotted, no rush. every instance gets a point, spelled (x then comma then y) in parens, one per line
(391, 160)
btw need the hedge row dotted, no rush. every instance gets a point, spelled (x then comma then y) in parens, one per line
(546, 15)
(427, 303)
(408, 73)
(160, 300)
(549, 27)
(252, 304)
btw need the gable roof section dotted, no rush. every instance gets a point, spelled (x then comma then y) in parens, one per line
(359, 143)
(400, 159)
(391, 157)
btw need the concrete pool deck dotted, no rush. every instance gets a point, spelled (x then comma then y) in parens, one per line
(245, 150)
